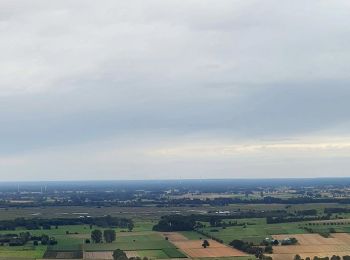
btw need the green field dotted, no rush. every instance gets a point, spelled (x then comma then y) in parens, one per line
(28, 252)
(151, 241)
(173, 253)
(151, 244)
(255, 230)
(157, 254)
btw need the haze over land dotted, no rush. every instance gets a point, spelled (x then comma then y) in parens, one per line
(174, 89)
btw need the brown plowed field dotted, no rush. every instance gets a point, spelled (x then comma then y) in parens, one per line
(98, 255)
(193, 248)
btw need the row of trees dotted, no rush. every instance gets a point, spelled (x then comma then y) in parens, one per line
(38, 223)
(250, 248)
(109, 235)
(184, 223)
(288, 219)
(121, 255)
(24, 237)
(175, 223)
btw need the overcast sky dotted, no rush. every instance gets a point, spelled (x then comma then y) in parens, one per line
(174, 89)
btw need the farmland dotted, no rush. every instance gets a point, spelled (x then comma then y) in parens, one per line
(163, 224)
(310, 245)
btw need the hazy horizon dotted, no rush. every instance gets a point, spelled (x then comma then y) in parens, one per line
(174, 90)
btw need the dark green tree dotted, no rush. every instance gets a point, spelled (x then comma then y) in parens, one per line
(119, 255)
(130, 226)
(297, 257)
(109, 235)
(205, 244)
(45, 239)
(96, 236)
(268, 249)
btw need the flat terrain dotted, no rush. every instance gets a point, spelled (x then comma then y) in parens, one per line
(194, 248)
(149, 213)
(222, 213)
(254, 230)
(310, 245)
(144, 244)
(98, 255)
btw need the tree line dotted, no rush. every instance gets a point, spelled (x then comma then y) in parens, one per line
(39, 223)
(24, 237)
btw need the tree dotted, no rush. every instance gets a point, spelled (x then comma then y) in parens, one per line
(238, 244)
(45, 239)
(109, 235)
(24, 236)
(205, 244)
(119, 255)
(293, 240)
(268, 249)
(297, 257)
(96, 236)
(52, 241)
(175, 223)
(130, 226)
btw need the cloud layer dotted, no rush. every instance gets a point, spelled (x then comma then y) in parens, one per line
(169, 89)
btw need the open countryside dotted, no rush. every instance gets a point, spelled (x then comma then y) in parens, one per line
(250, 222)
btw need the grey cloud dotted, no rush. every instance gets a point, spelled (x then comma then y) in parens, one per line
(82, 72)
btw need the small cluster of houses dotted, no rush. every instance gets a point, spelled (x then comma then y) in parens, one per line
(284, 242)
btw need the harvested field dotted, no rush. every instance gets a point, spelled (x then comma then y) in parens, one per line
(303, 256)
(310, 245)
(193, 248)
(310, 249)
(98, 255)
(197, 244)
(314, 239)
(174, 236)
(131, 254)
(342, 237)
(213, 252)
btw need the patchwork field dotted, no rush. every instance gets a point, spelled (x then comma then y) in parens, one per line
(194, 249)
(252, 230)
(310, 245)
(143, 244)
(98, 255)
